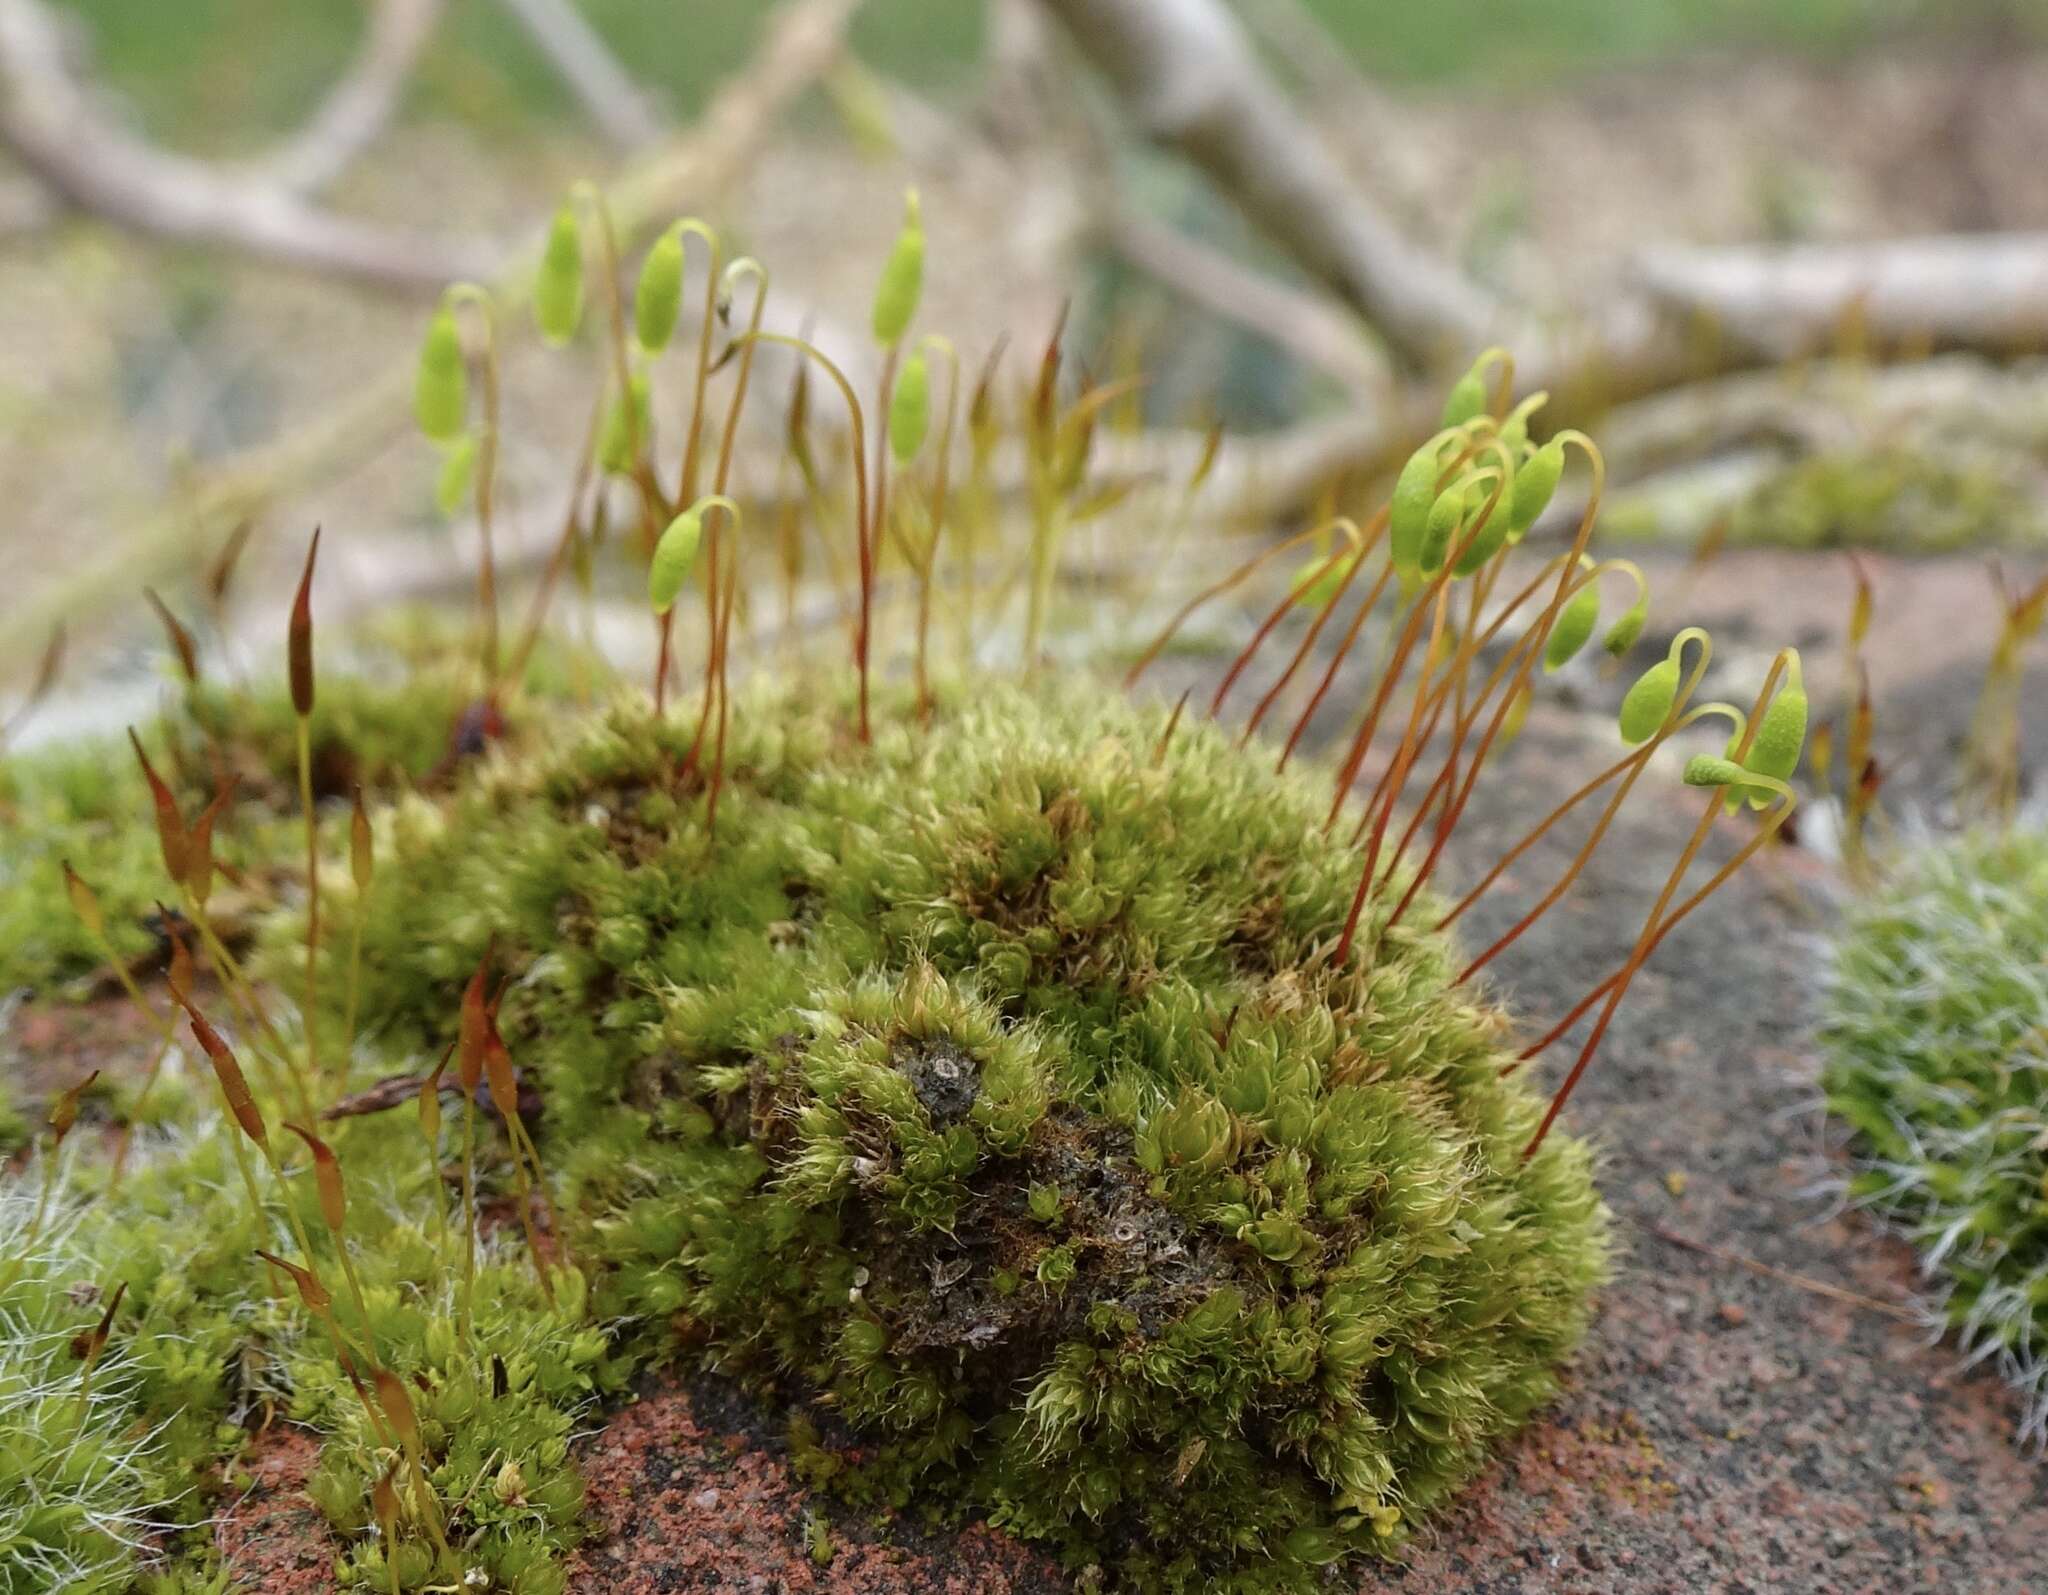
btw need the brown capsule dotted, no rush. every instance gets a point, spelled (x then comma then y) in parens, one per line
(1820, 753)
(87, 1345)
(311, 1291)
(1205, 462)
(476, 1025)
(84, 903)
(361, 856)
(47, 669)
(430, 1100)
(220, 574)
(397, 1406)
(299, 636)
(384, 1502)
(172, 838)
(179, 975)
(327, 1176)
(1860, 726)
(981, 404)
(64, 1112)
(181, 639)
(796, 424)
(233, 1084)
(1861, 606)
(199, 861)
(1045, 396)
(498, 1071)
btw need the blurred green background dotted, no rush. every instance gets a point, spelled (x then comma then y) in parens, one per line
(166, 55)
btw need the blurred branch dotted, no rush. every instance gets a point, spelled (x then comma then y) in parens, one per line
(803, 39)
(1186, 70)
(1315, 331)
(1981, 292)
(607, 92)
(49, 122)
(361, 105)
(1307, 48)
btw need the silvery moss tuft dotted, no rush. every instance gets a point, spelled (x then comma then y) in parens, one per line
(994, 1092)
(1936, 1033)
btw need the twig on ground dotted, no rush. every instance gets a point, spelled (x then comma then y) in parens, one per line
(1784, 1276)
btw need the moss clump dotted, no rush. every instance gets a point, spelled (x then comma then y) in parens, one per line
(1893, 498)
(413, 716)
(1937, 1043)
(992, 1088)
(83, 1483)
(205, 1348)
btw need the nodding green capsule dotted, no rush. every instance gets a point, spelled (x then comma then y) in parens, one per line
(1408, 515)
(1514, 431)
(1517, 715)
(1319, 579)
(1706, 769)
(1446, 515)
(658, 296)
(558, 290)
(1575, 623)
(624, 428)
(1648, 703)
(1487, 542)
(902, 283)
(673, 557)
(910, 409)
(1466, 399)
(440, 394)
(1535, 482)
(458, 471)
(1622, 635)
(1781, 734)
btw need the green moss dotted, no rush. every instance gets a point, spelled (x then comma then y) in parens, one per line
(73, 1514)
(388, 729)
(196, 1347)
(73, 802)
(207, 1346)
(15, 1130)
(495, 1419)
(1892, 498)
(991, 1088)
(1937, 1060)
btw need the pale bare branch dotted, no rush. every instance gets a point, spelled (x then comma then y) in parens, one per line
(606, 91)
(803, 38)
(1187, 72)
(88, 162)
(1985, 291)
(360, 105)
(1314, 330)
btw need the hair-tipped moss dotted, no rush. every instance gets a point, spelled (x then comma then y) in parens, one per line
(994, 1087)
(1937, 1060)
